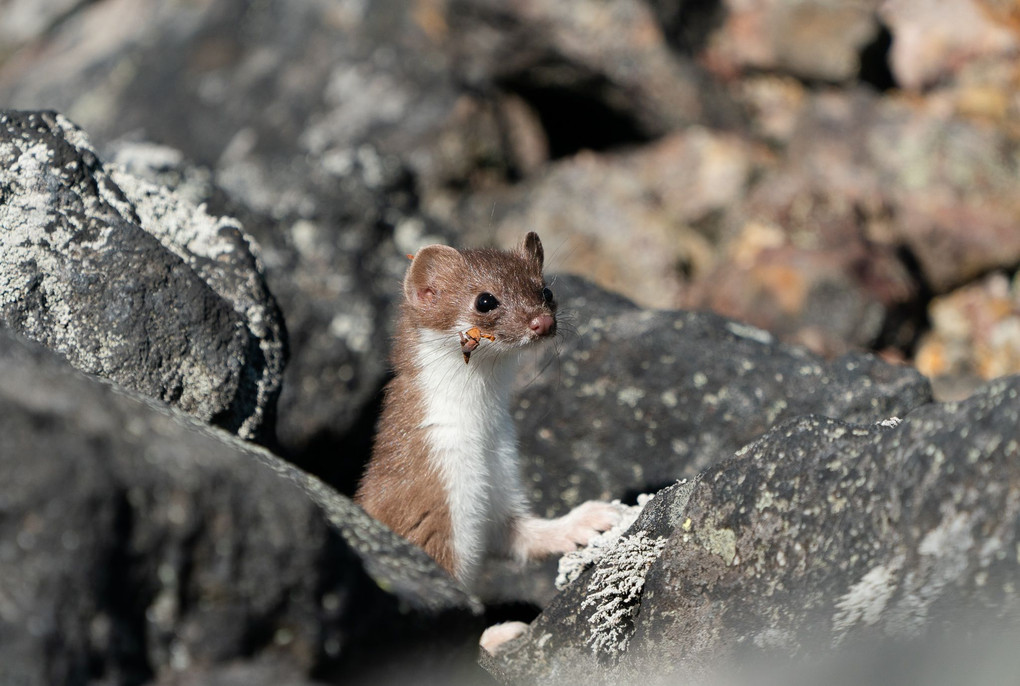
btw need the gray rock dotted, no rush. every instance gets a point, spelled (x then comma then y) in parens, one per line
(299, 112)
(634, 399)
(130, 282)
(585, 66)
(337, 281)
(820, 535)
(138, 544)
(631, 400)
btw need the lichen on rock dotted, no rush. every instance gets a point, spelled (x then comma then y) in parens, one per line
(614, 591)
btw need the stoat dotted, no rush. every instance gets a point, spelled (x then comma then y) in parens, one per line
(444, 470)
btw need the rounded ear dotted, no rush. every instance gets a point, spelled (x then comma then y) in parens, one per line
(533, 248)
(430, 266)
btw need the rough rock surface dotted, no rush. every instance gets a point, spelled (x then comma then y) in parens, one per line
(336, 276)
(324, 124)
(296, 109)
(137, 544)
(633, 398)
(630, 400)
(130, 282)
(942, 42)
(819, 535)
(607, 62)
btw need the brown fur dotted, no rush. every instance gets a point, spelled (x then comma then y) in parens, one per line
(442, 284)
(401, 487)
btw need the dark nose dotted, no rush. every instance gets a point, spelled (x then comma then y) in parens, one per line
(542, 324)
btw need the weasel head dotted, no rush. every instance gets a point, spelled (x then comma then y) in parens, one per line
(500, 294)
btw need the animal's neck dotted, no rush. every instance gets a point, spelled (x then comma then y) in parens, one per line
(462, 390)
(471, 439)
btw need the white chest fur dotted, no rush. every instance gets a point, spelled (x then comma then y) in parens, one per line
(472, 443)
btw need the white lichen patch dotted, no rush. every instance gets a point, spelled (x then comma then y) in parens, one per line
(615, 592)
(630, 396)
(865, 600)
(574, 563)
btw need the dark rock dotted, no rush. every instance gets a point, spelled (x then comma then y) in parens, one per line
(819, 535)
(138, 544)
(316, 122)
(324, 126)
(635, 399)
(337, 277)
(130, 282)
(599, 74)
(632, 400)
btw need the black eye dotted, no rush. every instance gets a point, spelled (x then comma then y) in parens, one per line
(486, 302)
(547, 295)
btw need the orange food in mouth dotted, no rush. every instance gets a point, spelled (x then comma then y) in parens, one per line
(470, 339)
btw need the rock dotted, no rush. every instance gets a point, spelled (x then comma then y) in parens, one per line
(314, 125)
(810, 39)
(131, 282)
(820, 535)
(666, 194)
(140, 545)
(585, 67)
(934, 41)
(337, 280)
(953, 189)
(832, 298)
(656, 142)
(875, 204)
(975, 336)
(632, 400)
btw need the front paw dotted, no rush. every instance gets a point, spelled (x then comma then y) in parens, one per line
(587, 520)
(535, 538)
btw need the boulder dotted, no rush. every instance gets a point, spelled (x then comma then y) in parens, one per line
(630, 400)
(337, 278)
(822, 535)
(599, 74)
(875, 205)
(810, 39)
(633, 399)
(667, 194)
(935, 43)
(297, 113)
(130, 282)
(138, 545)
